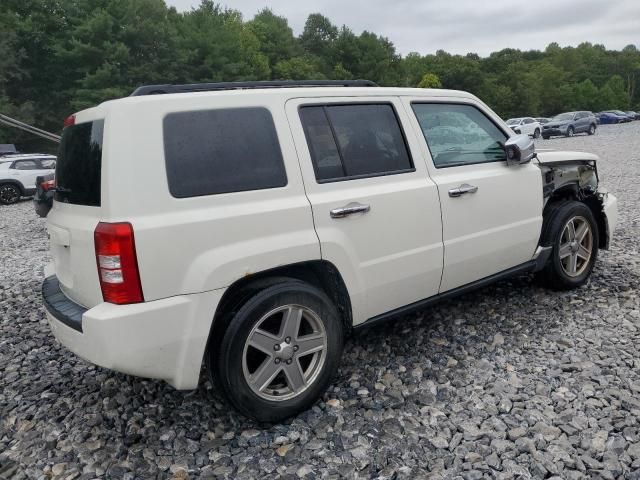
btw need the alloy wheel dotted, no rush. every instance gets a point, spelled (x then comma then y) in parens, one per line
(576, 246)
(9, 194)
(284, 352)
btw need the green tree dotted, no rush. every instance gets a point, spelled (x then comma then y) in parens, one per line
(586, 96)
(614, 94)
(430, 80)
(318, 36)
(297, 68)
(57, 56)
(214, 45)
(275, 38)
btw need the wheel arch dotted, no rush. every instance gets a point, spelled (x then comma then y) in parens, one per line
(14, 182)
(572, 192)
(319, 273)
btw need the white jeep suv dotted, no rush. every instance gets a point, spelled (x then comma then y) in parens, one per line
(18, 173)
(253, 226)
(526, 126)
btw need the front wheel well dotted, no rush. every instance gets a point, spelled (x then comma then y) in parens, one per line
(570, 192)
(595, 205)
(319, 273)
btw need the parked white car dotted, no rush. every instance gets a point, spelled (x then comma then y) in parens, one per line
(18, 173)
(254, 227)
(526, 126)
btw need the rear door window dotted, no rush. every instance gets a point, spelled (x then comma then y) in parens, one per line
(218, 151)
(47, 164)
(355, 141)
(79, 165)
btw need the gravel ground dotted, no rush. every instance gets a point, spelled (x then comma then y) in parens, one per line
(513, 381)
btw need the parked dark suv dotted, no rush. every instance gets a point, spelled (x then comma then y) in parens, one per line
(570, 123)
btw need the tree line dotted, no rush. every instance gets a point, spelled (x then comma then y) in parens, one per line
(60, 56)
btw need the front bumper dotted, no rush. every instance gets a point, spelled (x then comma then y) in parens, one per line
(554, 131)
(163, 339)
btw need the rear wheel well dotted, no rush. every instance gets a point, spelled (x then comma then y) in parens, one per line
(319, 273)
(14, 183)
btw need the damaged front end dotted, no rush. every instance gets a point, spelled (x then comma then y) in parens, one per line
(574, 176)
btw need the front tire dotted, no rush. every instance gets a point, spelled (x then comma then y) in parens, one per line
(570, 132)
(279, 352)
(9, 194)
(536, 134)
(572, 231)
(592, 129)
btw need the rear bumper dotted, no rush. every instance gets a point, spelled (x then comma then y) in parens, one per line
(163, 339)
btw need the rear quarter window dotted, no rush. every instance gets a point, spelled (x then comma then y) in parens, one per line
(218, 151)
(79, 164)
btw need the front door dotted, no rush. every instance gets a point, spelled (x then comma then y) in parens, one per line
(491, 212)
(375, 210)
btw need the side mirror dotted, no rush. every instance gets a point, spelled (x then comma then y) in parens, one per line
(519, 149)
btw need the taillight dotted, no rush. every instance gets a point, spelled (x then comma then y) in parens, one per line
(117, 263)
(70, 120)
(48, 185)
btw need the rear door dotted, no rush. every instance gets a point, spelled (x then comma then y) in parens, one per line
(375, 210)
(491, 212)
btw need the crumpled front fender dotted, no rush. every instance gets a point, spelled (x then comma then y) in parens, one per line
(610, 211)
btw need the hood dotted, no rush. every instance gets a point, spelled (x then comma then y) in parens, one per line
(554, 156)
(557, 123)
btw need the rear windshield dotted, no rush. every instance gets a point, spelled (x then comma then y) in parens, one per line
(79, 164)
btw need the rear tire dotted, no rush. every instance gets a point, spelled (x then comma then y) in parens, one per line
(9, 194)
(536, 134)
(570, 132)
(279, 352)
(572, 231)
(592, 129)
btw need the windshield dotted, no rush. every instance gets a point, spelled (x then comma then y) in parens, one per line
(564, 116)
(513, 121)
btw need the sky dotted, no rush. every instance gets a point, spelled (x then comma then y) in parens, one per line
(462, 26)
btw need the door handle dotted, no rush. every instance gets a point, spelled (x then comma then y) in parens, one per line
(350, 209)
(462, 189)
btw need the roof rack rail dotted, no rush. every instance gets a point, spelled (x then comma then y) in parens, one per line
(208, 87)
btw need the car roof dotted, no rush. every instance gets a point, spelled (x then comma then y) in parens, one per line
(281, 94)
(26, 156)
